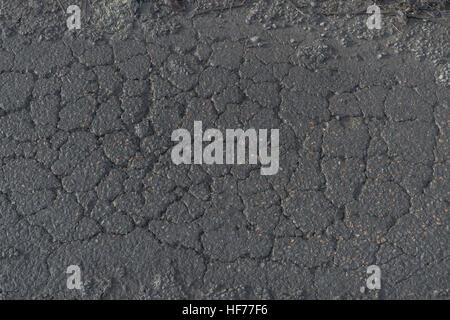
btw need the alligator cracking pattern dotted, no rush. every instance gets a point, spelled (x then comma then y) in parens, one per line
(86, 176)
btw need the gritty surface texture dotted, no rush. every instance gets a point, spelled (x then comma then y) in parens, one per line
(86, 176)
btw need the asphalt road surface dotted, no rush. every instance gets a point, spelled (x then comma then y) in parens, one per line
(87, 179)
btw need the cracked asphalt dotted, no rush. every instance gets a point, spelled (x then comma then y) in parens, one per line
(86, 176)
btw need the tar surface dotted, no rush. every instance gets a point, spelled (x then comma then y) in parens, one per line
(86, 176)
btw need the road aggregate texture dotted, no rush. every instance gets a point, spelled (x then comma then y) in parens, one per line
(86, 177)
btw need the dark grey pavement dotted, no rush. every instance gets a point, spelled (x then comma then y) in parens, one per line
(87, 179)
